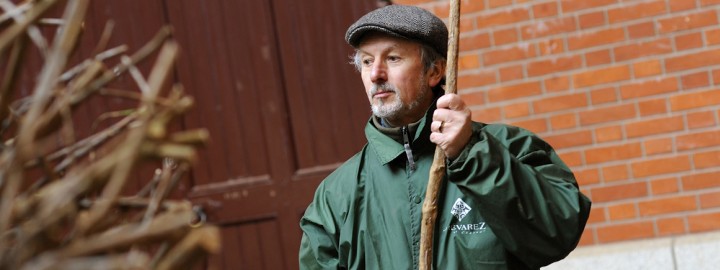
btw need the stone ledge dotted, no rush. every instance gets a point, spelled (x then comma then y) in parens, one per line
(685, 252)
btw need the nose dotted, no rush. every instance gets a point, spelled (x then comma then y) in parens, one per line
(378, 74)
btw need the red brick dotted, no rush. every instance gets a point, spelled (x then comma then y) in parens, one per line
(619, 192)
(651, 107)
(554, 65)
(498, 3)
(667, 205)
(593, 19)
(603, 95)
(572, 158)
(712, 36)
(658, 146)
(701, 119)
(704, 222)
(504, 17)
(508, 54)
(597, 215)
(517, 110)
(587, 177)
(710, 200)
(595, 58)
(467, 25)
(546, 9)
(597, 38)
(505, 36)
(574, 5)
(443, 11)
(705, 3)
(678, 5)
(606, 134)
(716, 76)
(601, 76)
(647, 68)
(615, 173)
(698, 140)
(700, 181)
(557, 84)
(707, 159)
(511, 73)
(474, 42)
(671, 226)
(688, 41)
(685, 22)
(641, 30)
(613, 153)
(660, 166)
(487, 115)
(570, 139)
(693, 60)
(587, 238)
(633, 12)
(625, 231)
(637, 50)
(514, 91)
(655, 126)
(538, 125)
(694, 100)
(695, 80)
(622, 211)
(664, 186)
(551, 46)
(563, 121)
(560, 103)
(648, 88)
(468, 61)
(473, 98)
(476, 80)
(548, 27)
(607, 114)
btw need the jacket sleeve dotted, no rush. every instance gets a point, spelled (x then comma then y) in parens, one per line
(527, 195)
(319, 244)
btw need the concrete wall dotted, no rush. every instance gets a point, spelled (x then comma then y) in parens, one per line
(688, 252)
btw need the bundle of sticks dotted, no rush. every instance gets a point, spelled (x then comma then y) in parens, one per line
(63, 201)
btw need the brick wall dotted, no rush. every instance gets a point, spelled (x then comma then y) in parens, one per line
(626, 91)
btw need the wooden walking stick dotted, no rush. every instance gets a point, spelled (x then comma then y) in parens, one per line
(437, 170)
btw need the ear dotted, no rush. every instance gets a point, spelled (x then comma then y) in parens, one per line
(436, 73)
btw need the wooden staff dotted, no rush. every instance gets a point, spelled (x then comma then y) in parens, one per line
(437, 170)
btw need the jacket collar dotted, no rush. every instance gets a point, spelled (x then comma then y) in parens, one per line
(388, 149)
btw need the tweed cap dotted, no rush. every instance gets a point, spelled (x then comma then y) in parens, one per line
(408, 22)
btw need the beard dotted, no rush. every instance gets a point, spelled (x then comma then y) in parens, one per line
(394, 107)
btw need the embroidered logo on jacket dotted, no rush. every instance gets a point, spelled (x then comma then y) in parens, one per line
(460, 209)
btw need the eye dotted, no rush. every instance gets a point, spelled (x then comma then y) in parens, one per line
(367, 62)
(393, 58)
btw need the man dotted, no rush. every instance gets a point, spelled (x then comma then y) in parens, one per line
(509, 202)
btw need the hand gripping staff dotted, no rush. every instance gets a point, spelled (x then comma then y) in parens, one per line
(437, 170)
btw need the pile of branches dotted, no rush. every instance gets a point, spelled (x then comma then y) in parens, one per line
(62, 201)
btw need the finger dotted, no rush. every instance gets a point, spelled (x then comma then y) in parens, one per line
(436, 126)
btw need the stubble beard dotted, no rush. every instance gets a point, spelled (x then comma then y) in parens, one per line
(394, 108)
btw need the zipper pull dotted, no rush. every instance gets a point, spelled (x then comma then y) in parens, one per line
(408, 150)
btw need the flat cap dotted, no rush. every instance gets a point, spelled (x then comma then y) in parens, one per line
(408, 22)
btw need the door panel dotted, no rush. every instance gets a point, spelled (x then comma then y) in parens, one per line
(273, 85)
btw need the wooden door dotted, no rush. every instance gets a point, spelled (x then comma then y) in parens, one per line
(273, 86)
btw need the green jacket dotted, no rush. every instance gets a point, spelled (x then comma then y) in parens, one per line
(511, 204)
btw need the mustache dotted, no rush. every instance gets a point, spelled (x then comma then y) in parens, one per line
(387, 87)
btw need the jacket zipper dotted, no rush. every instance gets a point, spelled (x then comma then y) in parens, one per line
(408, 150)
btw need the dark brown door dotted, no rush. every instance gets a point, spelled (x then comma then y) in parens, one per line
(273, 85)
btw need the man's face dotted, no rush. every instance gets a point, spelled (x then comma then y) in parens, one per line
(398, 88)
